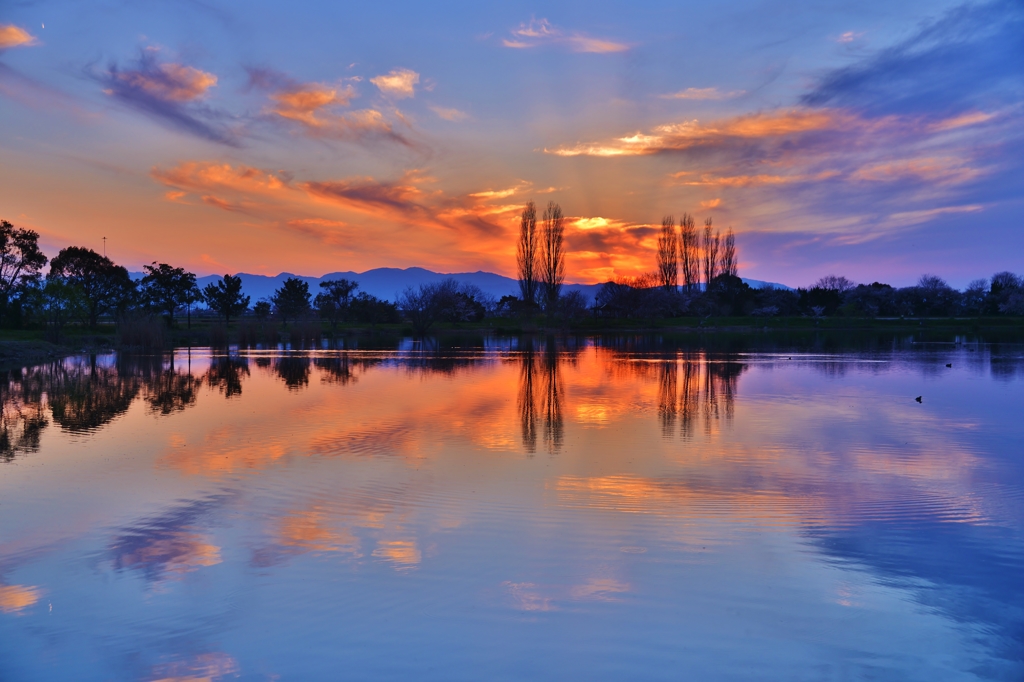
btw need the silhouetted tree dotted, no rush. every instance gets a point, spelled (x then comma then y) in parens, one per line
(526, 255)
(668, 254)
(166, 289)
(291, 301)
(372, 310)
(106, 287)
(261, 310)
(1004, 294)
(334, 301)
(552, 254)
(192, 296)
(225, 297)
(446, 300)
(732, 295)
(710, 255)
(729, 264)
(20, 261)
(689, 252)
(55, 303)
(834, 283)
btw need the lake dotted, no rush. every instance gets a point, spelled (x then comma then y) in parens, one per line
(517, 509)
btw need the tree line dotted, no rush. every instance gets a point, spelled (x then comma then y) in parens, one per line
(696, 274)
(84, 286)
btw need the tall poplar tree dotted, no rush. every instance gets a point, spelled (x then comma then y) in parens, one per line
(668, 254)
(552, 273)
(526, 254)
(689, 252)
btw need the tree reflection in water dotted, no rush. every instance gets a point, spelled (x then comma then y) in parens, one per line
(539, 371)
(226, 374)
(694, 385)
(86, 394)
(294, 370)
(22, 416)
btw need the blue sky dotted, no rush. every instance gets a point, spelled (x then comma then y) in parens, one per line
(875, 140)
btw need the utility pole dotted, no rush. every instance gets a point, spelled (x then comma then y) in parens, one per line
(104, 247)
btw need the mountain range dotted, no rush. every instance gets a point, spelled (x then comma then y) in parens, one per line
(389, 283)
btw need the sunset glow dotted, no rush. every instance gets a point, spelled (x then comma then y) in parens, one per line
(842, 141)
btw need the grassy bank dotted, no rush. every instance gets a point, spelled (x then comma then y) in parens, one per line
(27, 346)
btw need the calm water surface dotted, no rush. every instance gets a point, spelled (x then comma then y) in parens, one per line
(515, 510)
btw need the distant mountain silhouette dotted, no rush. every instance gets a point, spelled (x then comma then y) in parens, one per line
(389, 283)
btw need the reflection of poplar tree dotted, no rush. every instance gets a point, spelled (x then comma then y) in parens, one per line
(689, 395)
(553, 425)
(667, 403)
(526, 401)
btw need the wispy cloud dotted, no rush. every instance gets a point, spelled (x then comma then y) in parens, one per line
(970, 54)
(703, 94)
(410, 219)
(453, 115)
(691, 134)
(761, 179)
(316, 108)
(398, 83)
(848, 37)
(169, 92)
(540, 32)
(15, 36)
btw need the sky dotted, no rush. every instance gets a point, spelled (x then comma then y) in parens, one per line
(875, 140)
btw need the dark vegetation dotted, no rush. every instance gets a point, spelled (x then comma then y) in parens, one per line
(86, 301)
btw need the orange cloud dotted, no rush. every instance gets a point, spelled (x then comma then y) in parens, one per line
(312, 107)
(17, 598)
(690, 134)
(944, 170)
(402, 553)
(201, 668)
(708, 180)
(15, 36)
(963, 121)
(170, 82)
(167, 554)
(203, 176)
(398, 83)
(301, 102)
(311, 530)
(453, 115)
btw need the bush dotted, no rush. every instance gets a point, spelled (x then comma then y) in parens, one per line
(141, 332)
(305, 333)
(218, 336)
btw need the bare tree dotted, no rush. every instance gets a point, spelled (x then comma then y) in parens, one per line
(712, 245)
(728, 260)
(834, 283)
(689, 258)
(526, 254)
(668, 254)
(552, 253)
